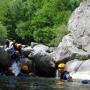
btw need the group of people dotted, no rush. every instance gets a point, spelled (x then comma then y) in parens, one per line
(17, 67)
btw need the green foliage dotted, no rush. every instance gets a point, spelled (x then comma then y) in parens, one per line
(44, 36)
(81, 57)
(43, 21)
(3, 7)
(60, 31)
(3, 33)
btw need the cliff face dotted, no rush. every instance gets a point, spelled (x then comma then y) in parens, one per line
(79, 26)
(77, 42)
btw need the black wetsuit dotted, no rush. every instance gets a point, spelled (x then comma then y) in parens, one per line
(7, 43)
(14, 57)
(64, 75)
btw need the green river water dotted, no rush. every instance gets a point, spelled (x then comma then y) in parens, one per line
(37, 83)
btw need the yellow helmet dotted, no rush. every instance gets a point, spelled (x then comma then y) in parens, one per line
(18, 46)
(61, 65)
(25, 68)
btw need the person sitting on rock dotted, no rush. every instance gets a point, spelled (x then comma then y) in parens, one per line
(7, 43)
(17, 49)
(9, 72)
(63, 74)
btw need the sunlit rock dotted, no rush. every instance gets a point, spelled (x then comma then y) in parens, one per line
(79, 70)
(79, 25)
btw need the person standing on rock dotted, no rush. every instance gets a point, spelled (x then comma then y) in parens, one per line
(16, 57)
(7, 43)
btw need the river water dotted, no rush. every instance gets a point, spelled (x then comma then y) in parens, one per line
(37, 83)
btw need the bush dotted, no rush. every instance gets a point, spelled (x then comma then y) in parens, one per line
(81, 57)
(44, 36)
(3, 33)
(26, 20)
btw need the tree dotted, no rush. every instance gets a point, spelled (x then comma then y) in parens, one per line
(44, 36)
(26, 20)
(3, 33)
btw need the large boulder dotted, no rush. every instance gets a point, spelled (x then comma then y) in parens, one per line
(77, 42)
(4, 57)
(27, 50)
(73, 65)
(67, 50)
(43, 63)
(38, 49)
(79, 26)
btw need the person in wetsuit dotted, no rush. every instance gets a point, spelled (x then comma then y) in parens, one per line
(63, 74)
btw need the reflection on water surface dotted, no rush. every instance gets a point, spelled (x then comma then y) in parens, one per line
(37, 83)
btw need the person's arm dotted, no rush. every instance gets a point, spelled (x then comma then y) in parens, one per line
(69, 78)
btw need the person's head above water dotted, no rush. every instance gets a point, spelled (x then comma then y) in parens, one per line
(9, 69)
(61, 66)
(18, 46)
(24, 68)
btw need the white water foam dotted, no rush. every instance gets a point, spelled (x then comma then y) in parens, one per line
(81, 75)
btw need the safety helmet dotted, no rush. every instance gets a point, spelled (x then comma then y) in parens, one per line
(61, 65)
(25, 68)
(18, 46)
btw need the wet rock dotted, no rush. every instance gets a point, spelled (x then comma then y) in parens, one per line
(40, 48)
(27, 50)
(33, 44)
(26, 61)
(4, 57)
(43, 63)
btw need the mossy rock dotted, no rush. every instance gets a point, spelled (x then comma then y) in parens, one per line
(81, 57)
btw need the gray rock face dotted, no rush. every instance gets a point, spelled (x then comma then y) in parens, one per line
(62, 51)
(83, 69)
(38, 49)
(79, 25)
(43, 63)
(26, 61)
(78, 40)
(41, 48)
(4, 57)
(67, 49)
(27, 50)
(73, 65)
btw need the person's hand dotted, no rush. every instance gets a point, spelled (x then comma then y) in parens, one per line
(69, 79)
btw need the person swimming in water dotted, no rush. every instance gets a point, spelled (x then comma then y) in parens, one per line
(63, 74)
